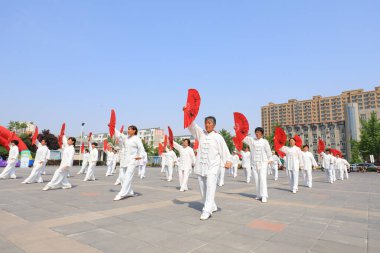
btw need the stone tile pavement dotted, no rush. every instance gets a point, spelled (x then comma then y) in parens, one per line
(343, 217)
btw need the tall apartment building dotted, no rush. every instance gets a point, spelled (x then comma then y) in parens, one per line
(335, 119)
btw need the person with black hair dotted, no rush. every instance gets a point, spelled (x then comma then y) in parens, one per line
(131, 151)
(309, 163)
(170, 160)
(275, 164)
(186, 162)
(10, 169)
(86, 158)
(116, 159)
(294, 162)
(43, 170)
(246, 163)
(261, 158)
(39, 160)
(212, 154)
(327, 165)
(110, 160)
(59, 179)
(142, 165)
(93, 159)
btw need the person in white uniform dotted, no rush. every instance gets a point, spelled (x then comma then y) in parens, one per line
(116, 159)
(212, 154)
(170, 161)
(10, 169)
(246, 163)
(94, 156)
(275, 165)
(235, 164)
(59, 179)
(110, 160)
(45, 162)
(294, 162)
(327, 165)
(39, 160)
(309, 164)
(342, 166)
(261, 158)
(142, 165)
(86, 158)
(186, 162)
(131, 151)
(333, 167)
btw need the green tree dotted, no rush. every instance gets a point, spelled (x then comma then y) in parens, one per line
(51, 138)
(355, 152)
(26, 138)
(228, 138)
(370, 137)
(3, 152)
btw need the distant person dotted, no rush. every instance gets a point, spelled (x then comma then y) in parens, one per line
(275, 165)
(94, 156)
(294, 162)
(170, 160)
(86, 158)
(39, 161)
(142, 165)
(10, 169)
(327, 165)
(246, 163)
(309, 164)
(186, 162)
(110, 161)
(59, 179)
(342, 166)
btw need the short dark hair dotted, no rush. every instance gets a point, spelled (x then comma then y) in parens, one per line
(304, 146)
(87, 150)
(133, 128)
(212, 118)
(95, 144)
(259, 129)
(46, 141)
(73, 139)
(15, 142)
(188, 141)
(291, 138)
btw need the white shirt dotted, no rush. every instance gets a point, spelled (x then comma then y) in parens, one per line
(213, 152)
(276, 161)
(41, 154)
(131, 148)
(13, 154)
(94, 155)
(86, 157)
(187, 157)
(326, 161)
(294, 157)
(144, 159)
(341, 163)
(170, 158)
(246, 159)
(67, 154)
(110, 157)
(235, 160)
(260, 150)
(309, 161)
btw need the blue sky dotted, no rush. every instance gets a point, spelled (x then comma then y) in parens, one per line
(73, 60)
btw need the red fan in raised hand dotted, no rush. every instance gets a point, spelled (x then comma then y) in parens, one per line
(196, 144)
(112, 123)
(122, 129)
(238, 143)
(241, 126)
(61, 134)
(321, 146)
(298, 140)
(192, 107)
(105, 145)
(160, 149)
(82, 148)
(279, 139)
(165, 141)
(171, 137)
(34, 137)
(89, 137)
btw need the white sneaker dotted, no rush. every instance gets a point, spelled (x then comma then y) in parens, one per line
(117, 183)
(66, 187)
(294, 191)
(257, 198)
(46, 188)
(205, 216)
(264, 200)
(117, 198)
(181, 190)
(215, 209)
(24, 182)
(220, 185)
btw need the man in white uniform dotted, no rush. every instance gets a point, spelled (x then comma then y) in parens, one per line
(39, 160)
(10, 169)
(94, 154)
(186, 162)
(309, 164)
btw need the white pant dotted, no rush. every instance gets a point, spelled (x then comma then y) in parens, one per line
(163, 168)
(126, 184)
(113, 167)
(169, 173)
(9, 171)
(221, 173)
(120, 178)
(83, 168)
(234, 170)
(329, 175)
(293, 179)
(60, 179)
(183, 176)
(207, 185)
(307, 178)
(90, 175)
(333, 174)
(260, 172)
(35, 175)
(109, 168)
(345, 171)
(142, 169)
(275, 171)
(43, 170)
(248, 173)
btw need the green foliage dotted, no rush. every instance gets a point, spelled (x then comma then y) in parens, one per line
(355, 152)
(149, 149)
(3, 152)
(228, 138)
(16, 125)
(26, 138)
(52, 139)
(370, 137)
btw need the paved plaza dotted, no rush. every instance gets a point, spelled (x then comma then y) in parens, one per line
(343, 217)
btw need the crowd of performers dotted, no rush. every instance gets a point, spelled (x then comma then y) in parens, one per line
(211, 161)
